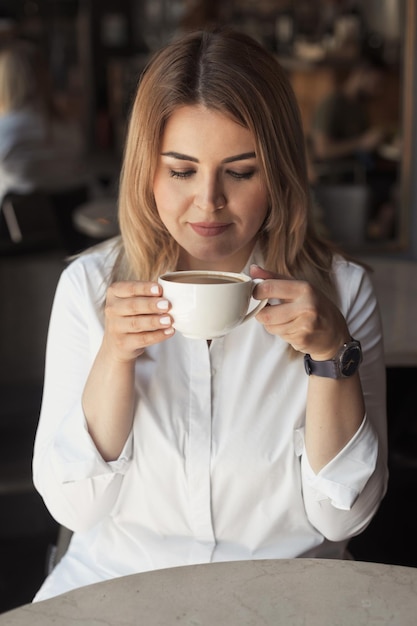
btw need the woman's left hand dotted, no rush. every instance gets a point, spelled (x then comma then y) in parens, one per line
(304, 316)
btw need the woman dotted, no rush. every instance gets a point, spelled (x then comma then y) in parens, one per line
(39, 149)
(161, 451)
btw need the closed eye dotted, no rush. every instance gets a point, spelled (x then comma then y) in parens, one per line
(181, 173)
(241, 175)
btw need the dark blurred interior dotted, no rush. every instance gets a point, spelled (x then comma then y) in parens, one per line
(96, 50)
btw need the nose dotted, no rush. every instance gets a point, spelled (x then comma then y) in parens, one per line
(210, 195)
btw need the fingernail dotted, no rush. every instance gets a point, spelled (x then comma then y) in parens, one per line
(162, 304)
(169, 331)
(155, 289)
(165, 320)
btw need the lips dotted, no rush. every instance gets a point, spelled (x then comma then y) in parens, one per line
(209, 229)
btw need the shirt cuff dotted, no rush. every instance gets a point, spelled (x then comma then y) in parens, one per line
(75, 456)
(343, 479)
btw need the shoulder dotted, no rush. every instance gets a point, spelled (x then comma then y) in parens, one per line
(91, 271)
(99, 258)
(348, 271)
(342, 265)
(353, 284)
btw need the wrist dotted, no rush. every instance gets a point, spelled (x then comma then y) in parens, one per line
(331, 352)
(342, 365)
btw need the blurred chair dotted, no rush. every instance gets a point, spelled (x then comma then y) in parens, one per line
(57, 551)
(41, 220)
(64, 203)
(344, 212)
(28, 223)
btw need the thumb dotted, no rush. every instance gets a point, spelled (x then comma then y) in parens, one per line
(256, 271)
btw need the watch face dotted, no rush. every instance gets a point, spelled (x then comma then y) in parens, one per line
(350, 360)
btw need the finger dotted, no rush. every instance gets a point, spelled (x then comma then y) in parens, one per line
(150, 338)
(283, 289)
(278, 315)
(291, 331)
(135, 305)
(134, 288)
(256, 271)
(139, 324)
(133, 345)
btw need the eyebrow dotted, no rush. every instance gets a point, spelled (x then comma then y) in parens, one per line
(231, 159)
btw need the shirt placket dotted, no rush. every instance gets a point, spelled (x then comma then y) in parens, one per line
(199, 451)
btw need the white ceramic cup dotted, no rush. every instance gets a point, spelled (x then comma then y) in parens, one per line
(208, 304)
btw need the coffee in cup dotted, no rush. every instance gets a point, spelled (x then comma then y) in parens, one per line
(209, 304)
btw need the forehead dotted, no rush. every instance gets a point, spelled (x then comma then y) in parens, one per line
(201, 128)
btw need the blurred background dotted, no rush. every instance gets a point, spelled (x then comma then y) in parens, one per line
(96, 48)
(95, 51)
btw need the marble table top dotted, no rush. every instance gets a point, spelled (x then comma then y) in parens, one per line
(296, 592)
(395, 283)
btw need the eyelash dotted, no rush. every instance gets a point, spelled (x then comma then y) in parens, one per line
(236, 175)
(175, 174)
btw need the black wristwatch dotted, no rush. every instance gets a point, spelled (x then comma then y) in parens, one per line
(342, 365)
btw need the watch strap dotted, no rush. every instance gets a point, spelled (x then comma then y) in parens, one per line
(327, 369)
(343, 365)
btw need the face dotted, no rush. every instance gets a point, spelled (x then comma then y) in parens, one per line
(209, 190)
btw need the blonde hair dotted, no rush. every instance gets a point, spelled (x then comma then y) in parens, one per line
(231, 73)
(23, 78)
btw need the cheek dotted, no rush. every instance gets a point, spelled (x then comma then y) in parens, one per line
(160, 192)
(164, 200)
(259, 219)
(168, 196)
(256, 208)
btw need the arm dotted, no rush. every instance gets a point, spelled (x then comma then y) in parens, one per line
(328, 136)
(342, 498)
(326, 148)
(344, 453)
(311, 324)
(83, 444)
(133, 320)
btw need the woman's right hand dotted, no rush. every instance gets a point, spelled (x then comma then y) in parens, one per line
(136, 316)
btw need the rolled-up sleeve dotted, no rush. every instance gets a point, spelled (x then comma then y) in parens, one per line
(344, 478)
(341, 499)
(78, 486)
(75, 457)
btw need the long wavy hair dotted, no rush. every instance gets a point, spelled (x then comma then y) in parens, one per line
(229, 72)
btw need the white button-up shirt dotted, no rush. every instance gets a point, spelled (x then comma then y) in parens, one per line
(215, 467)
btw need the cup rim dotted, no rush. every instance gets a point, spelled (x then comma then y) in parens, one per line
(243, 278)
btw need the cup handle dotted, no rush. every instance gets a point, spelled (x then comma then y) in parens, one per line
(259, 306)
